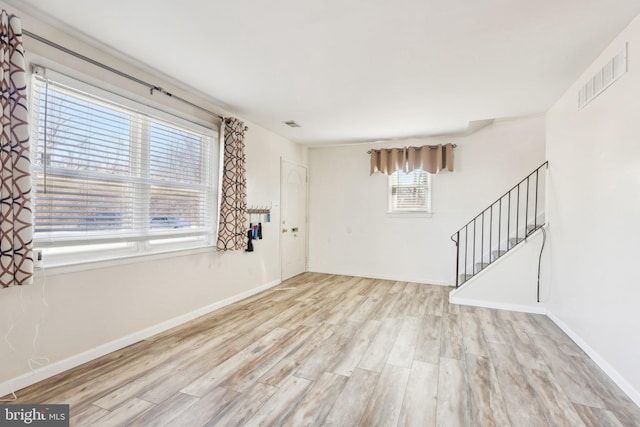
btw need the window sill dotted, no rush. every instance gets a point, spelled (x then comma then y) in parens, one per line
(125, 259)
(410, 214)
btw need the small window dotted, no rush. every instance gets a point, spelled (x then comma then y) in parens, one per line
(410, 192)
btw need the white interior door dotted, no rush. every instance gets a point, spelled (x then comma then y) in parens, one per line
(293, 219)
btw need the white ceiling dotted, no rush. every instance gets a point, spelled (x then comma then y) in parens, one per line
(356, 70)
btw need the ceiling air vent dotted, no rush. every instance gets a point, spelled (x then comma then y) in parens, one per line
(612, 71)
(292, 124)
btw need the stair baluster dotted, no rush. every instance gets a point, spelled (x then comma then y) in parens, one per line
(483, 256)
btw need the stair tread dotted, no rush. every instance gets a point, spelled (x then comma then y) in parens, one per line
(514, 241)
(465, 277)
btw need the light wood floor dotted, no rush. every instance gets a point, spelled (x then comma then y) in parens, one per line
(335, 350)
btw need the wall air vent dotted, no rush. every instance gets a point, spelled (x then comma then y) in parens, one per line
(292, 124)
(612, 71)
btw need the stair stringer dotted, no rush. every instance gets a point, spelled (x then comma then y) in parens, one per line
(509, 283)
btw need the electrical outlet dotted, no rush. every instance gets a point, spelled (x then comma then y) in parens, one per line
(37, 258)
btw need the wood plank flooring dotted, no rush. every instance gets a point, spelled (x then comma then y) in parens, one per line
(323, 350)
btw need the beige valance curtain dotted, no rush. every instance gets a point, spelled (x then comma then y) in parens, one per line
(431, 158)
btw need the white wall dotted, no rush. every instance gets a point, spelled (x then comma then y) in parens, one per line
(351, 232)
(594, 215)
(76, 312)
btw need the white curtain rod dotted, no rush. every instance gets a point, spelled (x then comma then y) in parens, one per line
(152, 87)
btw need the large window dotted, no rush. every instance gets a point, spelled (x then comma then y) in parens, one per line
(410, 192)
(113, 176)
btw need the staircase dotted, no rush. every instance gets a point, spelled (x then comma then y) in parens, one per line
(502, 226)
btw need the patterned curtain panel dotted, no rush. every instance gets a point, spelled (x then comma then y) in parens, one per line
(430, 158)
(233, 202)
(16, 229)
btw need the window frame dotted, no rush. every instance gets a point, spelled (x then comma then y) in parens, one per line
(57, 252)
(423, 211)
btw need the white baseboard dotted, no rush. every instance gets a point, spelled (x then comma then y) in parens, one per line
(432, 282)
(498, 305)
(615, 376)
(395, 278)
(55, 368)
(611, 372)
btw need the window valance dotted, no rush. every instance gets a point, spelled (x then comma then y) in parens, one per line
(431, 158)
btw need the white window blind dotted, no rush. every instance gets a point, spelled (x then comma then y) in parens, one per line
(107, 169)
(410, 192)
